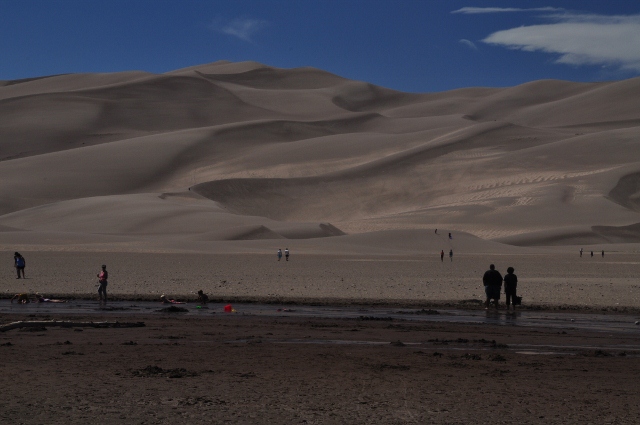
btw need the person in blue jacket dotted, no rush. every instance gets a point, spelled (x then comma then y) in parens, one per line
(20, 264)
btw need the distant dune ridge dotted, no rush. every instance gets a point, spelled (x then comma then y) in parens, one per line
(230, 152)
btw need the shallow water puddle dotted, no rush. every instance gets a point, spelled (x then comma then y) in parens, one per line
(611, 323)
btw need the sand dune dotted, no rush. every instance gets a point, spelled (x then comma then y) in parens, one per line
(249, 153)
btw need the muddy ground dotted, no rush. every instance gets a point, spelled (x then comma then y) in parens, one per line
(246, 370)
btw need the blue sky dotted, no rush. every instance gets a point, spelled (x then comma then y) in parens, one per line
(408, 45)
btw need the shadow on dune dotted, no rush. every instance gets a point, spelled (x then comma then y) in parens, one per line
(279, 79)
(622, 234)
(597, 235)
(627, 192)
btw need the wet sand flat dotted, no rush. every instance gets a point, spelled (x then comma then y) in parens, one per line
(247, 370)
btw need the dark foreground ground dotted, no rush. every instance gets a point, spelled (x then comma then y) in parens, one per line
(285, 370)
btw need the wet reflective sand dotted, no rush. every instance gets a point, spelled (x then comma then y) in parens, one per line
(614, 323)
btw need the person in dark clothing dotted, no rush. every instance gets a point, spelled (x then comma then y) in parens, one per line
(442, 255)
(603, 253)
(451, 255)
(20, 264)
(492, 281)
(202, 297)
(510, 285)
(103, 277)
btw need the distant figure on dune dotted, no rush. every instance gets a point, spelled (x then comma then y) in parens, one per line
(442, 255)
(436, 231)
(580, 252)
(603, 253)
(451, 255)
(102, 283)
(202, 297)
(592, 253)
(279, 254)
(19, 264)
(492, 281)
(450, 237)
(286, 254)
(164, 300)
(510, 285)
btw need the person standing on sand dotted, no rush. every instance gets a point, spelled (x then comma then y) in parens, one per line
(451, 255)
(436, 231)
(492, 281)
(603, 253)
(592, 253)
(442, 255)
(510, 285)
(102, 281)
(286, 254)
(279, 254)
(19, 264)
(450, 237)
(580, 252)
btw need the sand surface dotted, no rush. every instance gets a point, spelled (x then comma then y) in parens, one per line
(193, 179)
(248, 370)
(228, 152)
(545, 280)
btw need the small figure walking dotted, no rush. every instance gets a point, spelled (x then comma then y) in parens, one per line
(592, 253)
(580, 252)
(450, 237)
(436, 231)
(279, 254)
(20, 264)
(286, 254)
(451, 255)
(603, 253)
(102, 281)
(442, 255)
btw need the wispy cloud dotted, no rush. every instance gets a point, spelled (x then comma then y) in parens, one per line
(243, 29)
(477, 10)
(579, 39)
(468, 43)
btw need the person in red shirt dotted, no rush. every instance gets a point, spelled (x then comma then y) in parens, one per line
(102, 281)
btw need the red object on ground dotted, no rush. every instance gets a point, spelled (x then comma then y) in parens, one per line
(228, 308)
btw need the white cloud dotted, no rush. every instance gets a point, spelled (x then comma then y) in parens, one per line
(244, 29)
(477, 10)
(579, 39)
(468, 43)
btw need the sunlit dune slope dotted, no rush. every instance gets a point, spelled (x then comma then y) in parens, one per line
(255, 153)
